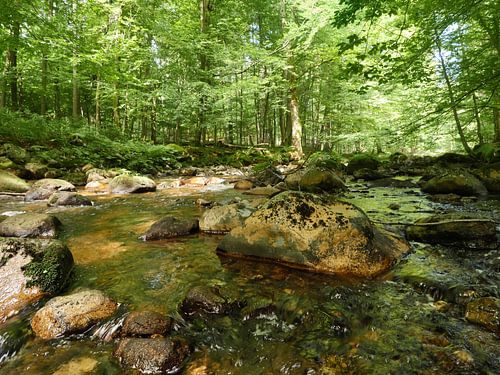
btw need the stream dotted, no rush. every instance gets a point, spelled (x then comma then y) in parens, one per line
(409, 321)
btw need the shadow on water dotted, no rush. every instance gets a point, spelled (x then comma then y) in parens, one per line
(287, 321)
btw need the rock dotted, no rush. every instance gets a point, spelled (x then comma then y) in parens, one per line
(67, 198)
(15, 153)
(169, 227)
(453, 158)
(203, 299)
(36, 170)
(306, 231)
(80, 366)
(145, 324)
(490, 177)
(30, 225)
(6, 163)
(316, 180)
(215, 181)
(243, 185)
(461, 183)
(394, 206)
(446, 198)
(263, 190)
(204, 203)
(97, 186)
(268, 176)
(454, 230)
(362, 161)
(29, 269)
(74, 313)
(485, 312)
(131, 184)
(43, 189)
(323, 160)
(221, 219)
(12, 184)
(151, 356)
(367, 174)
(194, 181)
(292, 180)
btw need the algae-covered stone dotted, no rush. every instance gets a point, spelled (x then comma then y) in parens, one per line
(485, 312)
(68, 198)
(30, 225)
(74, 313)
(305, 231)
(29, 269)
(146, 324)
(131, 184)
(461, 183)
(12, 184)
(360, 161)
(457, 230)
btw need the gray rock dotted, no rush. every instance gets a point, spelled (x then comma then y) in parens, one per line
(318, 180)
(74, 313)
(145, 324)
(67, 198)
(43, 189)
(29, 269)
(461, 183)
(30, 225)
(169, 227)
(131, 184)
(304, 231)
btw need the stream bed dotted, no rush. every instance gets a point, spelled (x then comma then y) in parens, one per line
(409, 321)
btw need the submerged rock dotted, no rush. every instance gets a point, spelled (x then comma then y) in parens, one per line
(169, 227)
(74, 313)
(43, 189)
(131, 184)
(152, 356)
(29, 269)
(79, 366)
(203, 299)
(243, 185)
(67, 198)
(30, 225)
(221, 219)
(485, 312)
(303, 231)
(12, 184)
(455, 230)
(461, 183)
(145, 324)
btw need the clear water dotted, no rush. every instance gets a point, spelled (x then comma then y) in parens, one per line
(293, 322)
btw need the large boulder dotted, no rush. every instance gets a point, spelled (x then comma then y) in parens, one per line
(12, 184)
(30, 269)
(35, 170)
(321, 180)
(152, 356)
(490, 177)
(30, 225)
(267, 176)
(456, 230)
(485, 312)
(131, 184)
(74, 313)
(43, 189)
(68, 198)
(146, 324)
(461, 183)
(362, 161)
(221, 219)
(169, 227)
(305, 231)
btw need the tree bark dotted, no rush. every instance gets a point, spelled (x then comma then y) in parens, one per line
(76, 93)
(13, 74)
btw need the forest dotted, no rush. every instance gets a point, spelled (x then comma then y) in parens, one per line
(348, 76)
(249, 187)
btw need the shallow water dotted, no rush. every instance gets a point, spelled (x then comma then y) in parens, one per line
(293, 322)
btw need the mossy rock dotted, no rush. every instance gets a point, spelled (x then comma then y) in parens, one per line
(6, 163)
(13, 184)
(15, 153)
(29, 269)
(360, 161)
(490, 177)
(461, 183)
(30, 225)
(319, 180)
(325, 161)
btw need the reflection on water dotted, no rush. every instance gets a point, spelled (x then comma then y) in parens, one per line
(289, 322)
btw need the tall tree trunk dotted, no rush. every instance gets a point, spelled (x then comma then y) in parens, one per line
(451, 97)
(204, 67)
(98, 102)
(13, 73)
(478, 119)
(116, 106)
(76, 93)
(3, 83)
(153, 119)
(43, 99)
